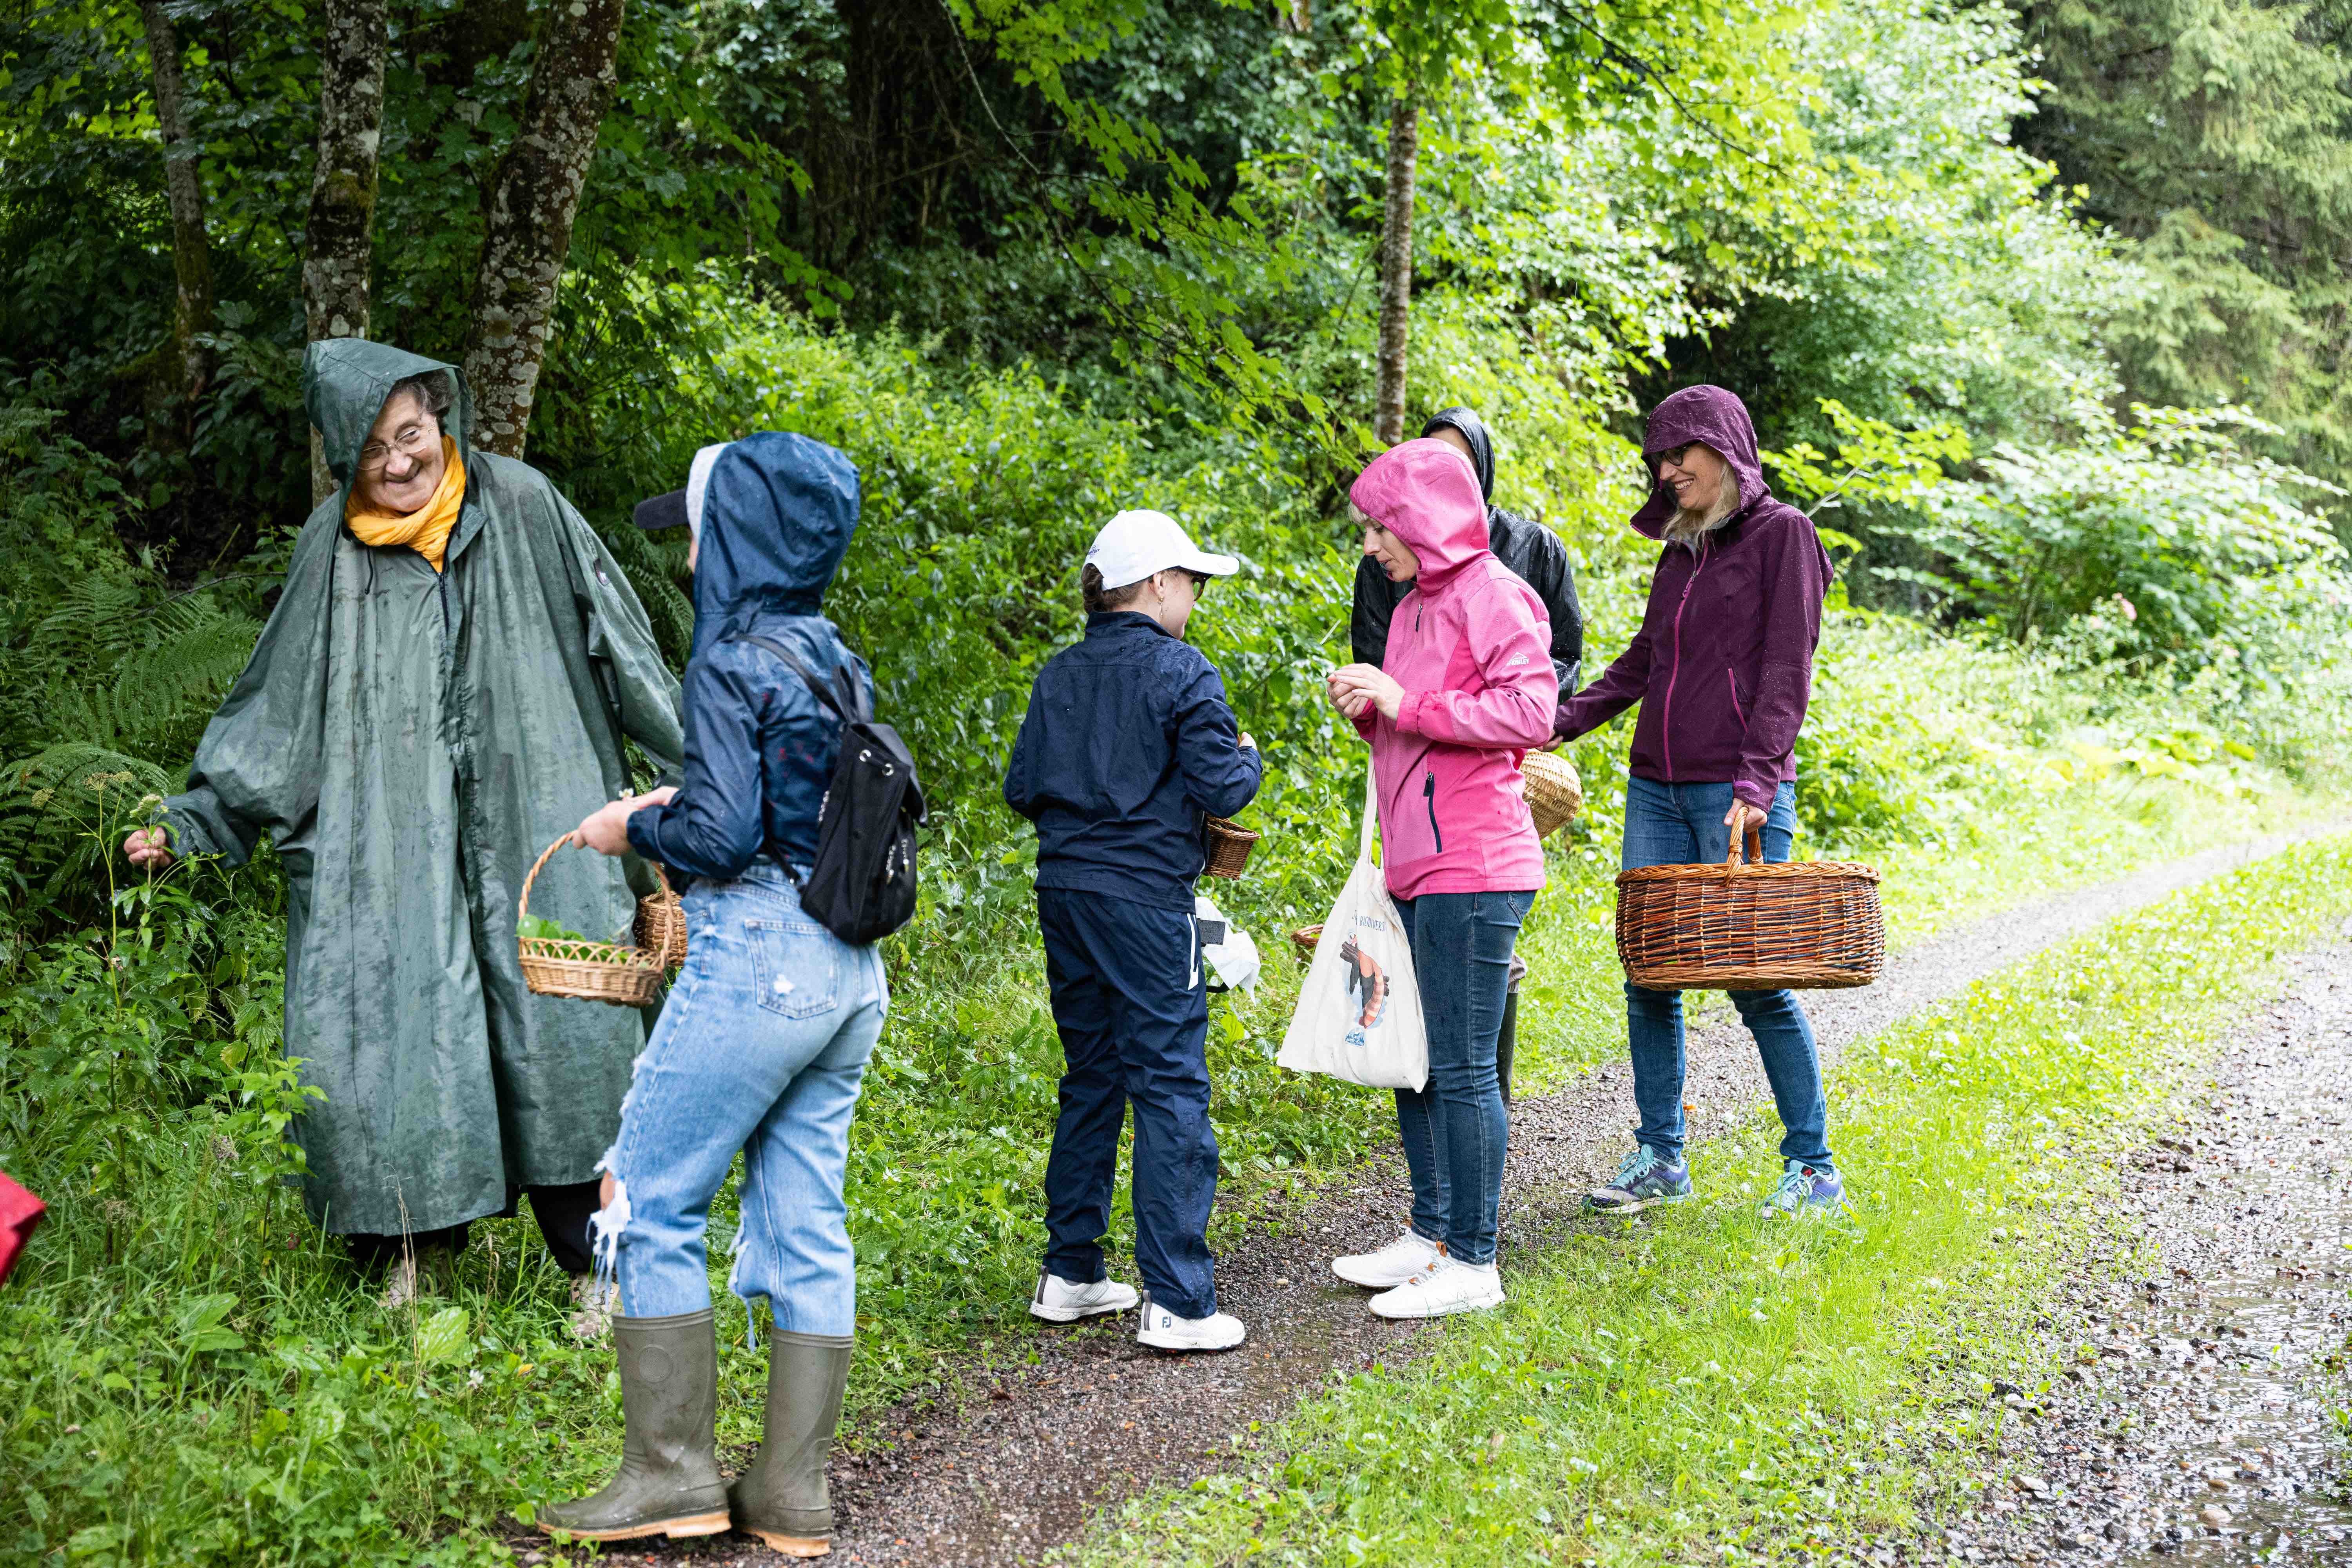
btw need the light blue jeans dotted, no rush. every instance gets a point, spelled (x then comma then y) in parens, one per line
(1680, 823)
(761, 1047)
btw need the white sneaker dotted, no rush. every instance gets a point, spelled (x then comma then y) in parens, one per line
(1391, 1266)
(1445, 1287)
(1059, 1300)
(1164, 1330)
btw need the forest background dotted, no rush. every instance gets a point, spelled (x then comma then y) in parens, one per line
(2042, 309)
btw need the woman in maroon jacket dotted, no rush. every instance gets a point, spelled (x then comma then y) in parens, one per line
(1722, 667)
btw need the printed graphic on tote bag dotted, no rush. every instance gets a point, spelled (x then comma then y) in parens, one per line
(1359, 1015)
(1368, 987)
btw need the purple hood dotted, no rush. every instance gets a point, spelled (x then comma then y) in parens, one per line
(1723, 664)
(1707, 413)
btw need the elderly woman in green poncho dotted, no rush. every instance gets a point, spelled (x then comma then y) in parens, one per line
(443, 691)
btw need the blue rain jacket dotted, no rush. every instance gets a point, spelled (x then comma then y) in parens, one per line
(760, 748)
(1128, 743)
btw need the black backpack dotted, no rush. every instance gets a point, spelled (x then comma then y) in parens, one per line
(862, 885)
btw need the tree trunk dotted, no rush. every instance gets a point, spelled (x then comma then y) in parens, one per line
(335, 274)
(192, 260)
(534, 196)
(1396, 268)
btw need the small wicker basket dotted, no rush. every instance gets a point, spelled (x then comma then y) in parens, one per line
(1804, 925)
(591, 971)
(1228, 847)
(661, 923)
(1554, 792)
(1304, 940)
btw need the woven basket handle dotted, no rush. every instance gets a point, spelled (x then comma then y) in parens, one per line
(1755, 848)
(523, 906)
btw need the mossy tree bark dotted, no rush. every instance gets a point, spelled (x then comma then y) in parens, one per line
(534, 196)
(192, 260)
(1396, 268)
(336, 272)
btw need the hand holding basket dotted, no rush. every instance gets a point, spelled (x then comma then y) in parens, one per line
(1796, 926)
(592, 971)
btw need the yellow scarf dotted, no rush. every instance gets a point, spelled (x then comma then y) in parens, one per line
(426, 529)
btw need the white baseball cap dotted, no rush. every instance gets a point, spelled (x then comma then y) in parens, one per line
(1134, 544)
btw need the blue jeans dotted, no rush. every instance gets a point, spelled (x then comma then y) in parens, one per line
(761, 1047)
(1131, 1004)
(1681, 824)
(1454, 1128)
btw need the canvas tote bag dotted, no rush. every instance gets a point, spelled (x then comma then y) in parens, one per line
(1359, 1014)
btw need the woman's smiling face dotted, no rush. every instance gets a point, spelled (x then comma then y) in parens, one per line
(400, 466)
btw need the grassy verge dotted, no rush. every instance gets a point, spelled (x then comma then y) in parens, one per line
(303, 1421)
(1702, 1385)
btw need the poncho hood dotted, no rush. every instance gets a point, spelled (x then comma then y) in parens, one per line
(344, 384)
(1421, 491)
(1707, 413)
(777, 516)
(1472, 429)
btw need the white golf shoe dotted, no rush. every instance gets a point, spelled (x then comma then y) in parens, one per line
(1060, 1301)
(1391, 1266)
(1164, 1330)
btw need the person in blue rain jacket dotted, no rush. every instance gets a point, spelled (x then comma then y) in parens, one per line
(1128, 745)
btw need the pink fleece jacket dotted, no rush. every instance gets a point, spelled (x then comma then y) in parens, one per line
(1471, 647)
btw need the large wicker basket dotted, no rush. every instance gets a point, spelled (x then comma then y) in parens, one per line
(592, 971)
(1228, 847)
(1554, 792)
(661, 923)
(1802, 925)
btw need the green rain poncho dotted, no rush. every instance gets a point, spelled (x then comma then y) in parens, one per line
(409, 742)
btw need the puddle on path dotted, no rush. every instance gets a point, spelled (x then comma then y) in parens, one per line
(2199, 1425)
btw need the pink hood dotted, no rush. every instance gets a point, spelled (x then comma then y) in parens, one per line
(1471, 646)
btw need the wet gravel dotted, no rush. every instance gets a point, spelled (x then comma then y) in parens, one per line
(1036, 1449)
(2196, 1425)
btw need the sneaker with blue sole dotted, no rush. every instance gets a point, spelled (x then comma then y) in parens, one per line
(1806, 1192)
(1642, 1180)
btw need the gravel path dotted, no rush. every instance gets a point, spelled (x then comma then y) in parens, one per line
(1096, 1419)
(2200, 1429)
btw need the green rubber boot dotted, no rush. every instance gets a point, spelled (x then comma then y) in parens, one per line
(781, 1498)
(669, 1482)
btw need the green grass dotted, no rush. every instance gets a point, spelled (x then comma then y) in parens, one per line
(332, 1428)
(1703, 1383)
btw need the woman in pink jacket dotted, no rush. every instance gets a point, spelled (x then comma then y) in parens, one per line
(1465, 688)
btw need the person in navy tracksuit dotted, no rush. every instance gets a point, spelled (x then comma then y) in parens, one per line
(1128, 744)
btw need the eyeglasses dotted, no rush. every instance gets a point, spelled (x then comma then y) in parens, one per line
(1653, 463)
(415, 440)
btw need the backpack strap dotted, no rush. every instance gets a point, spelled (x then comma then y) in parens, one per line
(845, 700)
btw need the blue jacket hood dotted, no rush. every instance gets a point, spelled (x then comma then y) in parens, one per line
(777, 518)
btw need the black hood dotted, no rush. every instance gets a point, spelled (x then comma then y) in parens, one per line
(1481, 445)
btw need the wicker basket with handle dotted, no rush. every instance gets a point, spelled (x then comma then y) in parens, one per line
(1799, 926)
(592, 971)
(1554, 792)
(1228, 847)
(661, 923)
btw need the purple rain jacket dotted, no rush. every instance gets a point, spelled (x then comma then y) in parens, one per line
(1722, 665)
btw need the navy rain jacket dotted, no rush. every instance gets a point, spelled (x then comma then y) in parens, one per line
(776, 519)
(1128, 743)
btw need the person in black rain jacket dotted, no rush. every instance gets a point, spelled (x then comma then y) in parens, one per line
(1128, 744)
(1531, 551)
